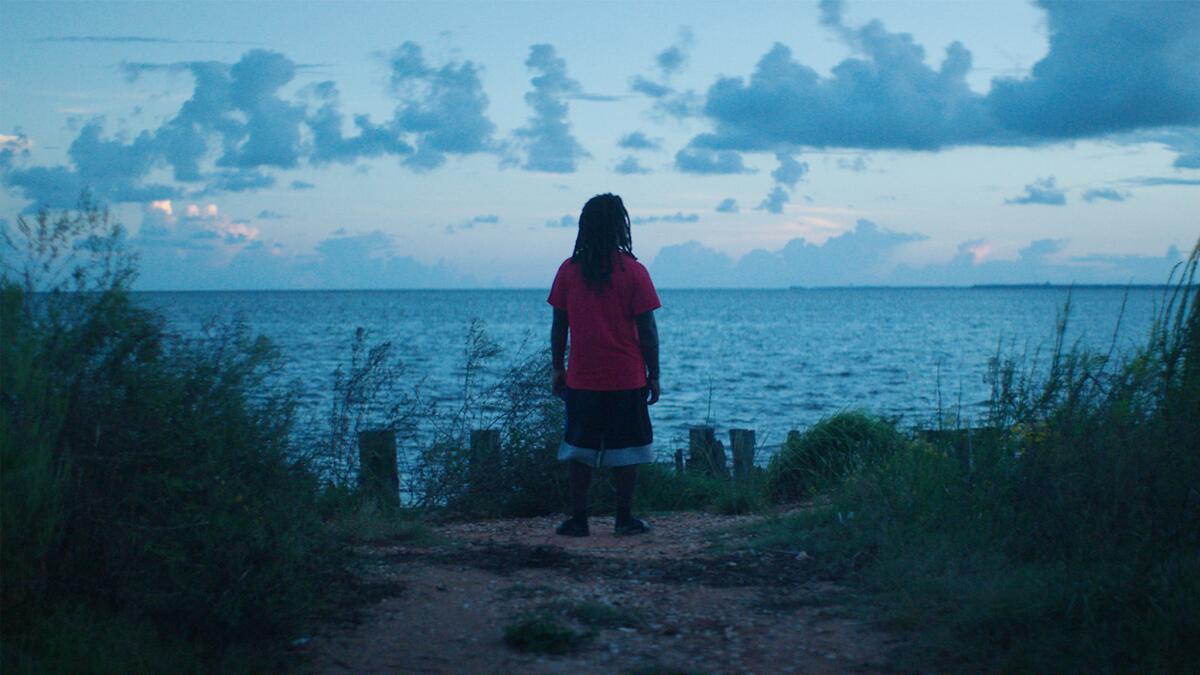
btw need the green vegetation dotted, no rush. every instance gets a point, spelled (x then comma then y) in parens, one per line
(541, 632)
(151, 513)
(158, 512)
(828, 452)
(1065, 537)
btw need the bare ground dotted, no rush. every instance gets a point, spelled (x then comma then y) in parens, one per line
(682, 598)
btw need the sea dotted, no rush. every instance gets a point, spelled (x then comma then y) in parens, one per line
(768, 360)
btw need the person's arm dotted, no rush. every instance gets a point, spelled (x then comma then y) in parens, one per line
(558, 350)
(648, 341)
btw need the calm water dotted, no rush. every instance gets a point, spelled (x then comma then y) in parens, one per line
(770, 360)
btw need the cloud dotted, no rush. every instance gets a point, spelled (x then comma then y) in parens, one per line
(727, 205)
(672, 59)
(1107, 194)
(565, 221)
(236, 126)
(267, 214)
(677, 217)
(1111, 67)
(668, 62)
(691, 265)
(301, 185)
(649, 88)
(1157, 181)
(858, 256)
(789, 171)
(547, 137)
(345, 260)
(13, 147)
(700, 160)
(169, 233)
(113, 169)
(630, 165)
(444, 108)
(636, 140)
(130, 39)
(470, 223)
(774, 201)
(239, 180)
(866, 255)
(1041, 191)
(1042, 261)
(372, 140)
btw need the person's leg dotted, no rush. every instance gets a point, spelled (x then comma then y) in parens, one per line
(625, 480)
(581, 479)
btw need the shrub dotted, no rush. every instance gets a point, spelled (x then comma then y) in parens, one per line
(827, 452)
(143, 475)
(1064, 539)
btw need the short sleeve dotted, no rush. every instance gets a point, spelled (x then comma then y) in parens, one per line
(644, 297)
(558, 289)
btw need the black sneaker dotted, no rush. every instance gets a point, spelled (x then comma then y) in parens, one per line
(573, 527)
(631, 526)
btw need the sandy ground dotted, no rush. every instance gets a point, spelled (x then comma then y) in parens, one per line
(679, 601)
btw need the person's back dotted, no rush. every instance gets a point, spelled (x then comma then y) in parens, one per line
(604, 300)
(605, 353)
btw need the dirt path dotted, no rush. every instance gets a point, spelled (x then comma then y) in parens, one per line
(667, 601)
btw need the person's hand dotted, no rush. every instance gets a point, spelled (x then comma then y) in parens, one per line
(652, 391)
(558, 382)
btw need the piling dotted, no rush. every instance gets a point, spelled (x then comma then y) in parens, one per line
(378, 473)
(483, 461)
(705, 453)
(741, 445)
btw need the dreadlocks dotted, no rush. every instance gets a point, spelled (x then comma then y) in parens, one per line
(603, 228)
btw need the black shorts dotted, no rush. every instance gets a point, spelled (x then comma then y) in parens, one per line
(607, 428)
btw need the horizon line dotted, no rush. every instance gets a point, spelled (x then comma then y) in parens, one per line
(1031, 286)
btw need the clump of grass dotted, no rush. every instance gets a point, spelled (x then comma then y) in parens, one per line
(827, 452)
(542, 633)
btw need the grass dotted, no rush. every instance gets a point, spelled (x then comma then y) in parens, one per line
(542, 633)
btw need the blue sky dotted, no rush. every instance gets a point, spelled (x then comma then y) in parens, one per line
(383, 145)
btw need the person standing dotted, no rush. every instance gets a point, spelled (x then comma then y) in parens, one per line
(604, 300)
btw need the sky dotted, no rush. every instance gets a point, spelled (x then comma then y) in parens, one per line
(756, 144)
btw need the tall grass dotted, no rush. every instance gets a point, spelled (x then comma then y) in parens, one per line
(1065, 538)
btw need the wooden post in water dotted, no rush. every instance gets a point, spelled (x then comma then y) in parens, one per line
(378, 475)
(483, 462)
(741, 444)
(705, 453)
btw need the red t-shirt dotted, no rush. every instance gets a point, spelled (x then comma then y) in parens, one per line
(605, 355)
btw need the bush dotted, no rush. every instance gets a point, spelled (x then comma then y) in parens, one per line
(1065, 538)
(827, 452)
(143, 476)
